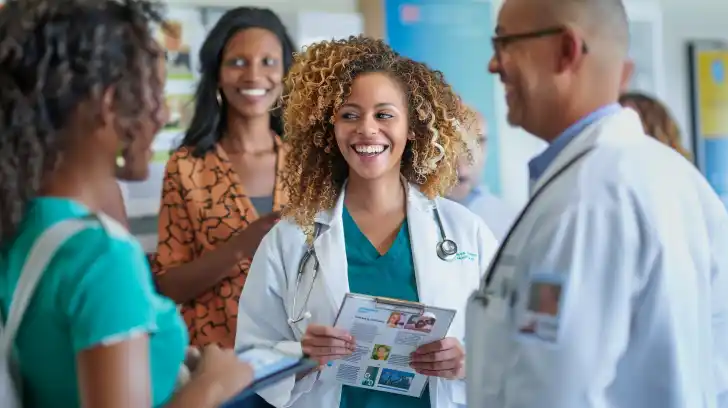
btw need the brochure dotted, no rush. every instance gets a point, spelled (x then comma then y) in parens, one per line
(387, 332)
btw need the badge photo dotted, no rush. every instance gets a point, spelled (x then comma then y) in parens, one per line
(541, 309)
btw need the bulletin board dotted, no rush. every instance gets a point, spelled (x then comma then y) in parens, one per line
(708, 70)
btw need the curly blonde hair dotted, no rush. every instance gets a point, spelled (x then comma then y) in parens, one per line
(656, 120)
(318, 84)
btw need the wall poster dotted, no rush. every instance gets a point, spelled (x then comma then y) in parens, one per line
(709, 106)
(453, 36)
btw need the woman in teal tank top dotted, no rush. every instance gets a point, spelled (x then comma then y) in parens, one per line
(80, 84)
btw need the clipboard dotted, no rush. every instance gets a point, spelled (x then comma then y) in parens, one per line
(382, 303)
(386, 331)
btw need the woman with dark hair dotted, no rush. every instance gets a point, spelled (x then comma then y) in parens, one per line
(80, 83)
(225, 176)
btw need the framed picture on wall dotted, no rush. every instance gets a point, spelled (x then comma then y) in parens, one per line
(708, 71)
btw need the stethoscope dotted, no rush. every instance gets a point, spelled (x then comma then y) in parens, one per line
(483, 294)
(446, 250)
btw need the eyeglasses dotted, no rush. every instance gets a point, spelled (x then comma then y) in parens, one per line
(501, 41)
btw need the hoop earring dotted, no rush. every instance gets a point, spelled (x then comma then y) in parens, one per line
(120, 160)
(219, 98)
(277, 105)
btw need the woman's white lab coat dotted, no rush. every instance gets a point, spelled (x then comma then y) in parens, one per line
(637, 241)
(267, 300)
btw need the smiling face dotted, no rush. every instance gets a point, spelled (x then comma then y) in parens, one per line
(523, 65)
(371, 127)
(251, 72)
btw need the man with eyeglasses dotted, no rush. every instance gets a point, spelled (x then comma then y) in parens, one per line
(625, 237)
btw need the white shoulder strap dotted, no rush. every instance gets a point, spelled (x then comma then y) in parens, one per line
(35, 264)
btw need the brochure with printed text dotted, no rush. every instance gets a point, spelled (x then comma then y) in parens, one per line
(387, 332)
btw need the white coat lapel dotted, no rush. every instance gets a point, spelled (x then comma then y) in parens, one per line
(582, 142)
(331, 252)
(424, 236)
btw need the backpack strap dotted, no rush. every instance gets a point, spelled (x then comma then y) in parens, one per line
(40, 255)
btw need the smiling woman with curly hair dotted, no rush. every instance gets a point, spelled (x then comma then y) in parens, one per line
(318, 86)
(374, 139)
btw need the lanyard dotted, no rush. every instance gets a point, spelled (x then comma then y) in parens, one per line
(493, 266)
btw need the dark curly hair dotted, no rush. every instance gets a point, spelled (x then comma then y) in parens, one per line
(54, 56)
(208, 122)
(656, 119)
(319, 83)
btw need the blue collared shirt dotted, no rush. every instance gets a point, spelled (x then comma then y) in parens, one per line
(497, 214)
(538, 165)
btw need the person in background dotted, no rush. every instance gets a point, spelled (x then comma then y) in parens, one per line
(656, 120)
(221, 190)
(79, 83)
(470, 192)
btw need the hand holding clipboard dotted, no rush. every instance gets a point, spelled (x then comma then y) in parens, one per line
(269, 366)
(325, 343)
(210, 367)
(398, 344)
(443, 358)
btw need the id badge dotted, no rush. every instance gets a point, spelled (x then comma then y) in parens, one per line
(540, 315)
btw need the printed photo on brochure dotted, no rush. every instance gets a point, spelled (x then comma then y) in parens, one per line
(387, 333)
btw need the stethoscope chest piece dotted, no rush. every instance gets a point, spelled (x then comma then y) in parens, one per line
(447, 249)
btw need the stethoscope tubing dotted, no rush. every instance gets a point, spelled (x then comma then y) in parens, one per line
(442, 252)
(496, 259)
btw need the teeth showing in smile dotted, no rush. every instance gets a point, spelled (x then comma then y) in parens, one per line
(253, 92)
(370, 150)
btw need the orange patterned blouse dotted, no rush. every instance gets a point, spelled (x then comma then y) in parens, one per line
(203, 205)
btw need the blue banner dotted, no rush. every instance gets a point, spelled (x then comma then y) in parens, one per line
(452, 36)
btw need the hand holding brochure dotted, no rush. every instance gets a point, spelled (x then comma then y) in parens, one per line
(387, 332)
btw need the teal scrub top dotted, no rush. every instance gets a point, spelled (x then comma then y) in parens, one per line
(97, 290)
(391, 275)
